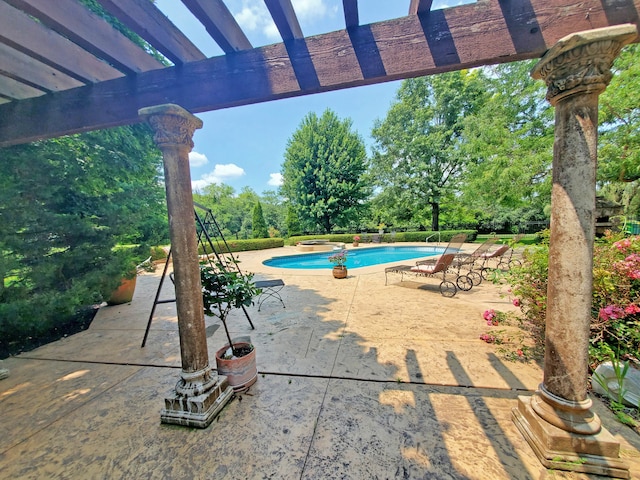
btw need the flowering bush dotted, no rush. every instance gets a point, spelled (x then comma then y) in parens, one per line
(339, 258)
(356, 238)
(615, 319)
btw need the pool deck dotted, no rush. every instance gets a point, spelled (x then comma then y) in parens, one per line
(357, 380)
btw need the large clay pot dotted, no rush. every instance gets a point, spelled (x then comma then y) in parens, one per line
(124, 293)
(241, 372)
(340, 271)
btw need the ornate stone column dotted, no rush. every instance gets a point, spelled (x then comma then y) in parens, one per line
(200, 393)
(557, 421)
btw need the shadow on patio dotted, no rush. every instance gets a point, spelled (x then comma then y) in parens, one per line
(356, 380)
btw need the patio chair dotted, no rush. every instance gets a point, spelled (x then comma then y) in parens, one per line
(503, 257)
(446, 287)
(469, 260)
(463, 282)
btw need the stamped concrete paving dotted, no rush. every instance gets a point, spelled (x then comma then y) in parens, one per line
(357, 381)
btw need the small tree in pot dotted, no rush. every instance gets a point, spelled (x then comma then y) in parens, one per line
(222, 291)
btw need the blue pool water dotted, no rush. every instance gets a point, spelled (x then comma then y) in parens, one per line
(364, 257)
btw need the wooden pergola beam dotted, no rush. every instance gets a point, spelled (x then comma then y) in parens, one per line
(218, 21)
(351, 17)
(419, 7)
(285, 19)
(462, 37)
(21, 32)
(91, 32)
(145, 19)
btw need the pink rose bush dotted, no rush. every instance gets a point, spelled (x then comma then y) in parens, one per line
(615, 320)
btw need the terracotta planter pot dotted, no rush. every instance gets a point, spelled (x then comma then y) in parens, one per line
(241, 372)
(355, 244)
(124, 293)
(340, 271)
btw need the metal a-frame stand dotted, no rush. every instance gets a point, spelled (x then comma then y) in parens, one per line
(211, 241)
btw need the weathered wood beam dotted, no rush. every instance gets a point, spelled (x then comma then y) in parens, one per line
(10, 88)
(285, 19)
(78, 24)
(145, 19)
(22, 67)
(21, 32)
(218, 21)
(476, 34)
(350, 8)
(419, 7)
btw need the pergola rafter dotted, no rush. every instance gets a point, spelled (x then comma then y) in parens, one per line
(117, 77)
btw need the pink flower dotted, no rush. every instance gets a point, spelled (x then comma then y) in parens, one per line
(489, 314)
(631, 309)
(622, 245)
(487, 338)
(611, 311)
(519, 352)
(516, 302)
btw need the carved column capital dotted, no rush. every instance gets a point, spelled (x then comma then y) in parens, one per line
(580, 63)
(173, 125)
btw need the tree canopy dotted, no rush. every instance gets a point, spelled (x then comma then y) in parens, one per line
(417, 159)
(64, 205)
(323, 172)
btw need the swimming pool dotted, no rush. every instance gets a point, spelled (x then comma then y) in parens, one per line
(357, 258)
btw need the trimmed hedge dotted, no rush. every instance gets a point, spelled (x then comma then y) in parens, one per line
(245, 245)
(387, 237)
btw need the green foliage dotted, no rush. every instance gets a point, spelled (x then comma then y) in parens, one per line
(445, 236)
(323, 172)
(619, 140)
(259, 226)
(509, 144)
(293, 222)
(615, 321)
(244, 245)
(64, 205)
(417, 157)
(224, 290)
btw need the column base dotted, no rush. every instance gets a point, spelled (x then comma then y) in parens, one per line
(561, 450)
(196, 411)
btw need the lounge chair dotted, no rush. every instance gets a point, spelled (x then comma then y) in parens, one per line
(463, 282)
(469, 260)
(447, 288)
(502, 257)
(433, 266)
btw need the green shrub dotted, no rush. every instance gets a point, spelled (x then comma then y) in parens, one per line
(387, 237)
(615, 318)
(244, 245)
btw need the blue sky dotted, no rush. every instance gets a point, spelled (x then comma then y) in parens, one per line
(244, 146)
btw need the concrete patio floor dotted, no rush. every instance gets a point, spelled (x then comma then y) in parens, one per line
(357, 380)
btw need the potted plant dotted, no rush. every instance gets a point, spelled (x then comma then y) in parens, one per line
(127, 263)
(339, 259)
(223, 290)
(356, 240)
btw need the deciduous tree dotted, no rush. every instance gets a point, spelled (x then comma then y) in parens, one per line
(323, 172)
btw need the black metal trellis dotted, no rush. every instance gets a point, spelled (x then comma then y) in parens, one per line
(211, 240)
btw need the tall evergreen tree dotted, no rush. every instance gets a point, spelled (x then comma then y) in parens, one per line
(64, 205)
(259, 226)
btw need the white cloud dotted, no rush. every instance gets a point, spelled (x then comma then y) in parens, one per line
(254, 16)
(220, 174)
(250, 17)
(275, 179)
(197, 159)
(309, 8)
